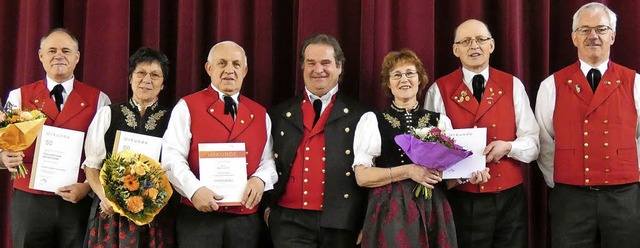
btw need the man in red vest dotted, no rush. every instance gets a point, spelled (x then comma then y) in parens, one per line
(316, 202)
(588, 118)
(492, 214)
(39, 218)
(223, 116)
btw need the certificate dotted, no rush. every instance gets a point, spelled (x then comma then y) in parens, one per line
(56, 160)
(223, 169)
(471, 139)
(148, 145)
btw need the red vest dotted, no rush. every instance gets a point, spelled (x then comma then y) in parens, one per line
(78, 111)
(305, 188)
(495, 112)
(209, 124)
(595, 133)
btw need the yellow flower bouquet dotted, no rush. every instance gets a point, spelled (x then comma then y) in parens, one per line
(135, 185)
(18, 130)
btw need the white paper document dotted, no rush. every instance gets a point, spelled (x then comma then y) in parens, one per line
(56, 159)
(223, 169)
(147, 145)
(471, 139)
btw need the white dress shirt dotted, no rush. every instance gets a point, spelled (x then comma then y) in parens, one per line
(545, 106)
(367, 143)
(94, 149)
(525, 147)
(15, 97)
(175, 150)
(326, 99)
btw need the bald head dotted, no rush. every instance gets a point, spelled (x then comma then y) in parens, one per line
(229, 44)
(473, 45)
(472, 24)
(227, 67)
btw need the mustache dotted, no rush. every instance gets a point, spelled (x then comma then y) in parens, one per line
(592, 42)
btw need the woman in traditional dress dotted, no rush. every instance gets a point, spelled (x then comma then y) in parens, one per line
(395, 216)
(141, 114)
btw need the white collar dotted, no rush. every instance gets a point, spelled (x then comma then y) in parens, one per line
(584, 67)
(326, 99)
(67, 85)
(221, 94)
(468, 75)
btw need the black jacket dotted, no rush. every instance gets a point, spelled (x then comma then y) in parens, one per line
(344, 201)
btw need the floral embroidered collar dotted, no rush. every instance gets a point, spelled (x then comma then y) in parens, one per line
(135, 105)
(132, 120)
(401, 110)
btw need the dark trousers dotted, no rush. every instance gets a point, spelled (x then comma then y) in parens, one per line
(217, 230)
(301, 228)
(47, 220)
(599, 216)
(490, 219)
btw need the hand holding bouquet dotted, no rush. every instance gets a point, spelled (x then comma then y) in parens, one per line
(135, 186)
(18, 130)
(431, 148)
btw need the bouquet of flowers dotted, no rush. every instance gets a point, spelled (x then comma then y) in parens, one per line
(18, 130)
(431, 148)
(135, 185)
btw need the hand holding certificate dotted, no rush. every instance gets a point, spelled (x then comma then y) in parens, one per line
(471, 139)
(57, 158)
(223, 169)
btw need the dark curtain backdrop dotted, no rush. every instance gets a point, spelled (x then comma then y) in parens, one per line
(532, 40)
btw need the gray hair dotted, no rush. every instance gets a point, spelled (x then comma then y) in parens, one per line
(63, 30)
(613, 18)
(210, 56)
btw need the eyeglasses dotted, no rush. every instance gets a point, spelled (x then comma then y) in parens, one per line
(468, 41)
(398, 75)
(586, 30)
(154, 76)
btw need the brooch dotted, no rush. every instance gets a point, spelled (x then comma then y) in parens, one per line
(463, 96)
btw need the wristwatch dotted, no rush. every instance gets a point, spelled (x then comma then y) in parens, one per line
(462, 180)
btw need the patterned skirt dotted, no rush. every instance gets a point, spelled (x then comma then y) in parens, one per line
(119, 232)
(397, 218)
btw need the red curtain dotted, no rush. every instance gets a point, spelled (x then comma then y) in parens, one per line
(532, 40)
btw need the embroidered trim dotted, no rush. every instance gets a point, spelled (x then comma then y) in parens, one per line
(424, 120)
(133, 104)
(153, 119)
(402, 110)
(395, 123)
(130, 117)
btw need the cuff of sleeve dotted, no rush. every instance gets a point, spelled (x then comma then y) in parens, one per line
(268, 185)
(362, 160)
(515, 149)
(190, 190)
(95, 164)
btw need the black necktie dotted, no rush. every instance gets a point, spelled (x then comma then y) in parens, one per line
(57, 93)
(229, 107)
(478, 86)
(594, 78)
(317, 107)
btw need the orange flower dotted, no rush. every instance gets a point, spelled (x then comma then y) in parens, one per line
(151, 193)
(131, 183)
(135, 204)
(14, 119)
